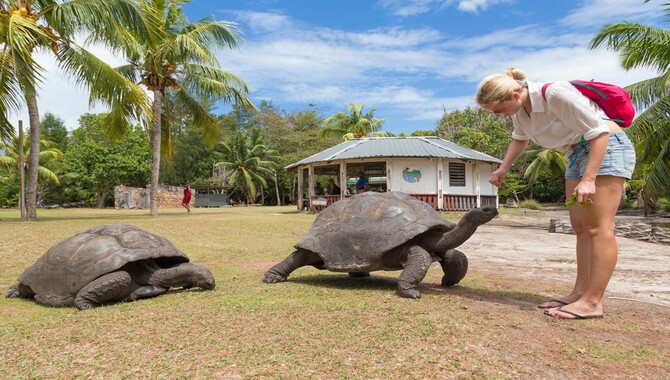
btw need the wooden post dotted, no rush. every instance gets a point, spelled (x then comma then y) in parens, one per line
(300, 186)
(22, 181)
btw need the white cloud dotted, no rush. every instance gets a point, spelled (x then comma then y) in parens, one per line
(264, 21)
(410, 74)
(600, 12)
(474, 6)
(407, 7)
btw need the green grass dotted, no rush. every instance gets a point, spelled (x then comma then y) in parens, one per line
(318, 325)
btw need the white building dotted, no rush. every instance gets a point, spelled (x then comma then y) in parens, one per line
(445, 175)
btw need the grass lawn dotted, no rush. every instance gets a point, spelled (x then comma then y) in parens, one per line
(318, 325)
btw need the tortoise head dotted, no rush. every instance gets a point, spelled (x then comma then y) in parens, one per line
(186, 275)
(480, 215)
(203, 278)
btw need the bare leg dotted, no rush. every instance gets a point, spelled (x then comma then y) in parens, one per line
(583, 251)
(416, 267)
(297, 259)
(596, 247)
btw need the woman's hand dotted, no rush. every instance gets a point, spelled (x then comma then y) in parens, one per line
(497, 177)
(584, 189)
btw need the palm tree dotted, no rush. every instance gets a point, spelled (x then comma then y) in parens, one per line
(168, 54)
(31, 26)
(248, 163)
(50, 159)
(543, 161)
(354, 124)
(645, 46)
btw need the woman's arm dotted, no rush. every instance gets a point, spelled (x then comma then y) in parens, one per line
(587, 184)
(513, 152)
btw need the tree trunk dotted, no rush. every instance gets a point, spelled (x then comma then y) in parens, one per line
(156, 164)
(277, 189)
(33, 158)
(102, 194)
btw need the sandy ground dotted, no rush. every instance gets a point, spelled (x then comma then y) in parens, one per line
(522, 246)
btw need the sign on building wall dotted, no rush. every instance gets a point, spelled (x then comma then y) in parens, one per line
(414, 176)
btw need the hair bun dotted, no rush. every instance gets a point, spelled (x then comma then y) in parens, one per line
(516, 74)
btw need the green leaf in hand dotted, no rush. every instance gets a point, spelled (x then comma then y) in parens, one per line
(573, 201)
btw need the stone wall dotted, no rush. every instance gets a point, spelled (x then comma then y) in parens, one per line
(636, 230)
(126, 197)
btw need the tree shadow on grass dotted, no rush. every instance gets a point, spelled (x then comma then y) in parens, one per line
(522, 300)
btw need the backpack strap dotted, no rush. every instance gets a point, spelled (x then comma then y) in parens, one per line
(544, 90)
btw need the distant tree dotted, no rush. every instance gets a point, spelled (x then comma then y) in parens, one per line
(424, 132)
(192, 162)
(645, 46)
(29, 27)
(476, 129)
(355, 123)
(248, 163)
(50, 162)
(53, 129)
(100, 163)
(168, 53)
(543, 163)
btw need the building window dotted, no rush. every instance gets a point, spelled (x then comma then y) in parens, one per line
(456, 174)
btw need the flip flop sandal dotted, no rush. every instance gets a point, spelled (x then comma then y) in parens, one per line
(575, 315)
(559, 302)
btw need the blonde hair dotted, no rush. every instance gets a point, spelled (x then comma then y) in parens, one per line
(498, 88)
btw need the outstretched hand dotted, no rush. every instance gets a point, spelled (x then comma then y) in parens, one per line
(497, 177)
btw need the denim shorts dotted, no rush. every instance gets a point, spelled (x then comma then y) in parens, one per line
(619, 160)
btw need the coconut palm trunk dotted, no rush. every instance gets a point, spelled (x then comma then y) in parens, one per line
(156, 163)
(33, 158)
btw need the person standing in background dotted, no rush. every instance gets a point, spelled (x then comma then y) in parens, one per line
(333, 189)
(362, 184)
(186, 201)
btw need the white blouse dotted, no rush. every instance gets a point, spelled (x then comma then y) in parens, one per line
(560, 121)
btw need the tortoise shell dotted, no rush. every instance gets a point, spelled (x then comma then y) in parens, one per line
(65, 268)
(355, 233)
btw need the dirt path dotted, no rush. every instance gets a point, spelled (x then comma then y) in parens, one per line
(521, 246)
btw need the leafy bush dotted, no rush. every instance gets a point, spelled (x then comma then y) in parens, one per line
(664, 203)
(627, 203)
(531, 204)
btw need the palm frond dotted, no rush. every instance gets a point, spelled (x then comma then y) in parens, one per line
(647, 92)
(129, 102)
(639, 45)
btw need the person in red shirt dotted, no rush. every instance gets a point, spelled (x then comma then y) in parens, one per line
(186, 201)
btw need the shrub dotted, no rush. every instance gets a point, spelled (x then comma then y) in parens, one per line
(627, 203)
(664, 203)
(530, 204)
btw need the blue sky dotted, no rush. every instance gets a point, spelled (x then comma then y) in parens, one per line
(409, 59)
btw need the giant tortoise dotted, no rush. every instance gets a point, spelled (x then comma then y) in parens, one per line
(108, 264)
(384, 231)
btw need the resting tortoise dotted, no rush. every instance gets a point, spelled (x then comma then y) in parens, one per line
(108, 264)
(384, 231)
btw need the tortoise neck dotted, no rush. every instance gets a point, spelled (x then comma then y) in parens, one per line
(173, 277)
(457, 236)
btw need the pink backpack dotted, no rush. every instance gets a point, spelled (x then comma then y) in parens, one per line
(613, 100)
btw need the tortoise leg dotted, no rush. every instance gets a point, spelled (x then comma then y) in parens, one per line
(19, 290)
(416, 267)
(146, 292)
(455, 266)
(105, 289)
(295, 260)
